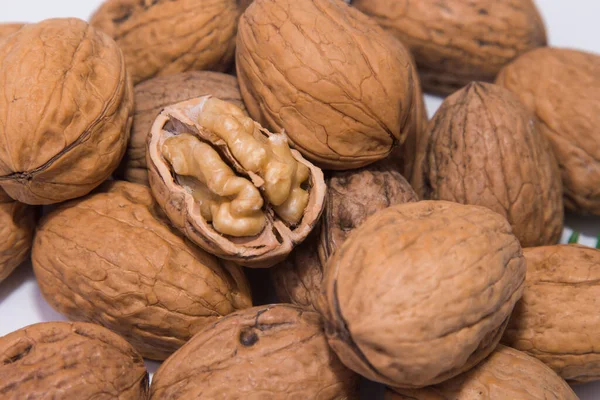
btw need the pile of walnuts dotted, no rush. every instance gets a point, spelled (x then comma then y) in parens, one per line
(185, 145)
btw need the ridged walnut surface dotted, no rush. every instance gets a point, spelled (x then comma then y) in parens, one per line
(17, 224)
(65, 110)
(562, 88)
(422, 292)
(557, 319)
(273, 352)
(111, 258)
(60, 360)
(455, 42)
(7, 29)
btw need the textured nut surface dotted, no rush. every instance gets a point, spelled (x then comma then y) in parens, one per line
(60, 360)
(507, 374)
(65, 110)
(482, 148)
(455, 42)
(17, 224)
(267, 352)
(557, 321)
(111, 258)
(163, 37)
(422, 292)
(343, 90)
(7, 29)
(154, 94)
(568, 115)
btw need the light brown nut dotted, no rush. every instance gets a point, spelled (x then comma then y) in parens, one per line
(61, 360)
(422, 292)
(7, 29)
(341, 88)
(482, 148)
(507, 374)
(455, 42)
(556, 320)
(17, 223)
(111, 258)
(268, 352)
(155, 94)
(568, 115)
(65, 110)
(232, 187)
(163, 37)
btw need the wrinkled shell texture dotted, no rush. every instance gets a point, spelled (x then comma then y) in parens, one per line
(482, 148)
(556, 321)
(568, 115)
(60, 360)
(111, 259)
(7, 29)
(17, 224)
(267, 352)
(154, 94)
(507, 374)
(65, 110)
(421, 292)
(163, 37)
(455, 42)
(342, 89)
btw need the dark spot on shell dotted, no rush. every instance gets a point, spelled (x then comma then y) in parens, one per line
(248, 338)
(18, 356)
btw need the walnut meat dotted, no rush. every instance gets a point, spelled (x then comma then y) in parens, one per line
(232, 187)
(7, 29)
(483, 148)
(562, 88)
(268, 352)
(17, 223)
(65, 110)
(112, 258)
(163, 37)
(422, 292)
(455, 42)
(505, 374)
(60, 360)
(556, 321)
(344, 91)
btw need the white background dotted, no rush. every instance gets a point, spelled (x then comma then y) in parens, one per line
(570, 24)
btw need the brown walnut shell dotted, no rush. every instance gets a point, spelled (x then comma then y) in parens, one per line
(155, 94)
(556, 320)
(164, 37)
(422, 292)
(65, 110)
(268, 352)
(567, 114)
(111, 258)
(8, 29)
(342, 89)
(455, 42)
(17, 224)
(507, 374)
(61, 360)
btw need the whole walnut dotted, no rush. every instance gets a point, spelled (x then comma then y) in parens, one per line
(155, 94)
(268, 352)
(556, 321)
(113, 259)
(17, 224)
(65, 110)
(344, 91)
(562, 88)
(9, 28)
(505, 374)
(483, 148)
(164, 37)
(455, 42)
(422, 292)
(61, 360)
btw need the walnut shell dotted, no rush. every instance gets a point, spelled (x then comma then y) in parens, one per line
(7, 29)
(455, 42)
(341, 88)
(568, 115)
(61, 360)
(411, 264)
(556, 320)
(65, 110)
(267, 352)
(111, 258)
(17, 223)
(505, 374)
(164, 37)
